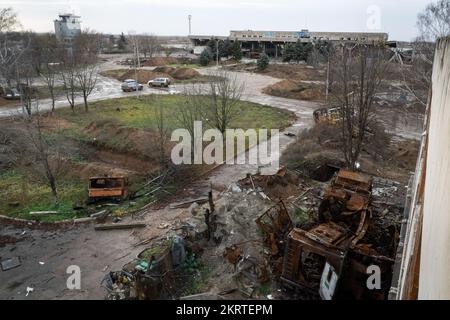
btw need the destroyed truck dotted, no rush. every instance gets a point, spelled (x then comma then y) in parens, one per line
(331, 258)
(110, 188)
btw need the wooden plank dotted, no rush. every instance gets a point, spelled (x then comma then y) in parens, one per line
(117, 226)
(184, 203)
(41, 213)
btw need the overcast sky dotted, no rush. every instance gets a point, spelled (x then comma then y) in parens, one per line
(218, 17)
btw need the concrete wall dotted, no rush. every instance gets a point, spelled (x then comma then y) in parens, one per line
(434, 280)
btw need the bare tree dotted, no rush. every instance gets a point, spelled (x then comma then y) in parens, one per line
(49, 64)
(417, 75)
(359, 71)
(68, 74)
(10, 51)
(87, 46)
(163, 133)
(25, 75)
(149, 44)
(86, 79)
(223, 96)
(8, 19)
(46, 160)
(191, 110)
(170, 50)
(434, 22)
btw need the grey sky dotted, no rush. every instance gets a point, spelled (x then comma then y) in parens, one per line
(169, 17)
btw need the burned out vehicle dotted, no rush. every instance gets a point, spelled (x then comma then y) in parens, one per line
(111, 188)
(328, 115)
(332, 259)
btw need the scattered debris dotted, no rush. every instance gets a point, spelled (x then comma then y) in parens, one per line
(150, 276)
(117, 219)
(289, 134)
(29, 290)
(10, 263)
(100, 215)
(163, 225)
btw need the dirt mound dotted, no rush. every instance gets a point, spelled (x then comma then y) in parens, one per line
(109, 134)
(160, 61)
(164, 69)
(296, 72)
(178, 73)
(184, 73)
(102, 169)
(296, 90)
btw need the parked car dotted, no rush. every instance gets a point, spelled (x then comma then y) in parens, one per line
(12, 94)
(131, 85)
(159, 82)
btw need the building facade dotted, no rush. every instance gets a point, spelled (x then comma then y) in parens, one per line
(272, 42)
(67, 28)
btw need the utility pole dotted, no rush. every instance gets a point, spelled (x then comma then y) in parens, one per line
(217, 53)
(328, 78)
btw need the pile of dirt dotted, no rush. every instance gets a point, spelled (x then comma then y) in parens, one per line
(164, 69)
(178, 73)
(109, 134)
(296, 90)
(160, 61)
(295, 72)
(184, 73)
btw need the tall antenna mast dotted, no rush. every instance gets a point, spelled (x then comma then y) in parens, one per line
(190, 18)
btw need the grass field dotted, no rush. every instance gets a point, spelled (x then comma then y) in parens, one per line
(140, 113)
(23, 192)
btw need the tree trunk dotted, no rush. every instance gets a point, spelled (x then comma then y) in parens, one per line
(86, 107)
(52, 96)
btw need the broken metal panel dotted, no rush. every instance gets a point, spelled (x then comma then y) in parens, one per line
(301, 247)
(328, 282)
(354, 181)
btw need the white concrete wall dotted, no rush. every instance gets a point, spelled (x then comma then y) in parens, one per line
(434, 280)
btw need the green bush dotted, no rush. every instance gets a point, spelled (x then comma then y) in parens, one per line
(237, 51)
(205, 57)
(263, 62)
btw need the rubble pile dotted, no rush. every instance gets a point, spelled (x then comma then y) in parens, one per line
(278, 237)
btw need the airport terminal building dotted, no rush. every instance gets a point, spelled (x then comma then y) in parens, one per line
(272, 42)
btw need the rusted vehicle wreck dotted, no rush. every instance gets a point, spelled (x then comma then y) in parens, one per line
(332, 259)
